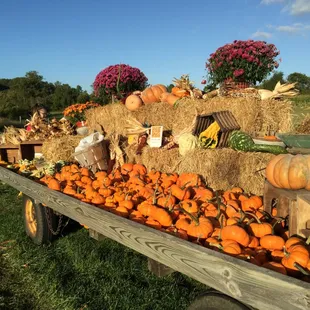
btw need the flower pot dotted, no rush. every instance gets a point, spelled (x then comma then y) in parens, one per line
(230, 83)
(81, 124)
(82, 131)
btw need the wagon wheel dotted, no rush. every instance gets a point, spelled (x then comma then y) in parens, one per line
(214, 300)
(38, 226)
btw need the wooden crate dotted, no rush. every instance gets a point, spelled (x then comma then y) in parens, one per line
(294, 204)
(225, 120)
(26, 150)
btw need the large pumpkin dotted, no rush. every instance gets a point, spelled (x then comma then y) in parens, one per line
(152, 94)
(289, 171)
(133, 102)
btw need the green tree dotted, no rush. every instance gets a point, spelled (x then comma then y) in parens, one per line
(83, 97)
(169, 87)
(272, 81)
(303, 81)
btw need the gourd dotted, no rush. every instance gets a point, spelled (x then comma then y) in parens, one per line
(169, 98)
(240, 141)
(209, 137)
(152, 94)
(289, 171)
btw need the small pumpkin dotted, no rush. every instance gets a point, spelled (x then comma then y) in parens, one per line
(295, 254)
(237, 233)
(201, 228)
(272, 242)
(275, 267)
(179, 92)
(133, 102)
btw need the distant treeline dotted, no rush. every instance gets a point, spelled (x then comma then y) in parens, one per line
(18, 96)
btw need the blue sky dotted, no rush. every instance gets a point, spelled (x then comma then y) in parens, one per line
(72, 41)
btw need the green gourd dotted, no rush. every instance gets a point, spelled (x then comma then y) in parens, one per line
(240, 141)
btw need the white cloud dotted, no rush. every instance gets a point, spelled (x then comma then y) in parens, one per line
(289, 29)
(261, 34)
(297, 7)
(267, 2)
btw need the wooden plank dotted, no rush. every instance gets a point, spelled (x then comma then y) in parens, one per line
(95, 235)
(302, 210)
(253, 285)
(158, 269)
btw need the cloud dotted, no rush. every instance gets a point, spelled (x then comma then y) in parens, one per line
(289, 29)
(267, 2)
(300, 7)
(261, 34)
(294, 29)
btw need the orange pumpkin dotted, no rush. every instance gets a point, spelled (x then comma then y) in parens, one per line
(133, 102)
(289, 171)
(169, 98)
(295, 254)
(152, 94)
(272, 242)
(237, 233)
(275, 267)
(179, 92)
(202, 228)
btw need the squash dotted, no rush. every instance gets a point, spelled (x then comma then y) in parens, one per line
(133, 102)
(152, 94)
(179, 92)
(289, 171)
(169, 98)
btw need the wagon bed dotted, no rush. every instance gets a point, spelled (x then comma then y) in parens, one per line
(250, 284)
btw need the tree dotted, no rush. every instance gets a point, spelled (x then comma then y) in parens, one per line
(273, 80)
(303, 81)
(169, 87)
(83, 97)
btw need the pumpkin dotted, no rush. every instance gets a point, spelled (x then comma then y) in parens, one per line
(133, 102)
(183, 223)
(275, 267)
(201, 228)
(260, 229)
(237, 233)
(180, 192)
(289, 171)
(189, 179)
(179, 92)
(169, 98)
(162, 217)
(277, 256)
(293, 241)
(295, 254)
(272, 242)
(189, 206)
(254, 242)
(152, 94)
(54, 184)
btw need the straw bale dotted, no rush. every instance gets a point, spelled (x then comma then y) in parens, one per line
(253, 115)
(61, 148)
(220, 168)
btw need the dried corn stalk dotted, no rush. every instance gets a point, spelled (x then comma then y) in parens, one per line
(134, 127)
(115, 150)
(280, 91)
(184, 83)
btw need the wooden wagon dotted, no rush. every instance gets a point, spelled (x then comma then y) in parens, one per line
(238, 284)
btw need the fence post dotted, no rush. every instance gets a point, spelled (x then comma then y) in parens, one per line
(20, 119)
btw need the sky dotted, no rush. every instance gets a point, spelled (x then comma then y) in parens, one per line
(72, 41)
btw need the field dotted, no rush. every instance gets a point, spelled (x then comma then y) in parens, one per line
(77, 272)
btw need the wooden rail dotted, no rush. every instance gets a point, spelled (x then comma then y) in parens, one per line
(253, 285)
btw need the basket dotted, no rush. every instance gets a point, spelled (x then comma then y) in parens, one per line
(94, 157)
(225, 120)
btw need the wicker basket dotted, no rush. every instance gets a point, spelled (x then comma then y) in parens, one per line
(95, 157)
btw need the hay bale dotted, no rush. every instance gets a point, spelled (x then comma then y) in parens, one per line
(221, 168)
(260, 115)
(111, 117)
(62, 148)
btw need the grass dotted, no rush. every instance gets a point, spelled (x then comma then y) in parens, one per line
(77, 272)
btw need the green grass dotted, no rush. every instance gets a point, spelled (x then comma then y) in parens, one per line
(76, 271)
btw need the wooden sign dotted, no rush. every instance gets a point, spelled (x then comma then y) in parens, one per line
(156, 136)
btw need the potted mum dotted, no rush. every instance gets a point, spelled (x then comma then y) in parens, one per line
(243, 62)
(117, 82)
(75, 113)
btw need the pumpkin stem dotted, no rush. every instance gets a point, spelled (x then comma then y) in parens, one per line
(167, 199)
(275, 223)
(184, 186)
(308, 241)
(254, 216)
(301, 269)
(217, 245)
(193, 218)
